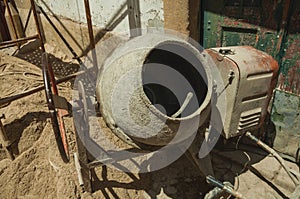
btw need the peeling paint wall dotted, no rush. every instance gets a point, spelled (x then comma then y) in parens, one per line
(104, 12)
(289, 79)
(270, 26)
(70, 18)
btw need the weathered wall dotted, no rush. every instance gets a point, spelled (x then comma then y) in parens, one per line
(103, 11)
(289, 79)
(195, 19)
(183, 16)
(71, 19)
(179, 9)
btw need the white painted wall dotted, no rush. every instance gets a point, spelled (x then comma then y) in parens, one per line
(103, 11)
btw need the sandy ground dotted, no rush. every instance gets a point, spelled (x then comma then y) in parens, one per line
(38, 171)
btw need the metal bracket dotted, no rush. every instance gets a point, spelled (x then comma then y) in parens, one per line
(62, 103)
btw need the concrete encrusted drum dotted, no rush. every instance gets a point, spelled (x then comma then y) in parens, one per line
(155, 89)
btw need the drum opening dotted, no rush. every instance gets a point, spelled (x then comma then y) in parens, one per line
(174, 77)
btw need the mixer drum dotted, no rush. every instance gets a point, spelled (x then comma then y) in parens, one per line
(155, 90)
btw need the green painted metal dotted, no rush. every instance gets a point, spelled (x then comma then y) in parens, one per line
(270, 26)
(236, 22)
(273, 27)
(238, 36)
(289, 79)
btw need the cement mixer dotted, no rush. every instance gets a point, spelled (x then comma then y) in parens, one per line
(166, 82)
(164, 95)
(153, 82)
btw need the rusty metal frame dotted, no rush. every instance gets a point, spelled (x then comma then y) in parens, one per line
(12, 22)
(4, 101)
(17, 41)
(91, 34)
(5, 141)
(7, 100)
(82, 162)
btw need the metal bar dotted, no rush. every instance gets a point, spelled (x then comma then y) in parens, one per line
(61, 24)
(6, 46)
(89, 23)
(91, 34)
(11, 21)
(4, 43)
(37, 24)
(134, 18)
(27, 19)
(61, 36)
(50, 69)
(9, 99)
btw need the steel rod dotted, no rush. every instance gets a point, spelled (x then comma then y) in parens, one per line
(89, 23)
(61, 36)
(27, 19)
(9, 99)
(38, 27)
(6, 46)
(4, 43)
(11, 21)
(91, 34)
(37, 24)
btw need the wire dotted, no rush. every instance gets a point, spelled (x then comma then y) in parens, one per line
(274, 154)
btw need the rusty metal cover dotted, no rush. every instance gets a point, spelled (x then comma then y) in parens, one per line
(249, 79)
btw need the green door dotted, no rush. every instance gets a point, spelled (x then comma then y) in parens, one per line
(242, 22)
